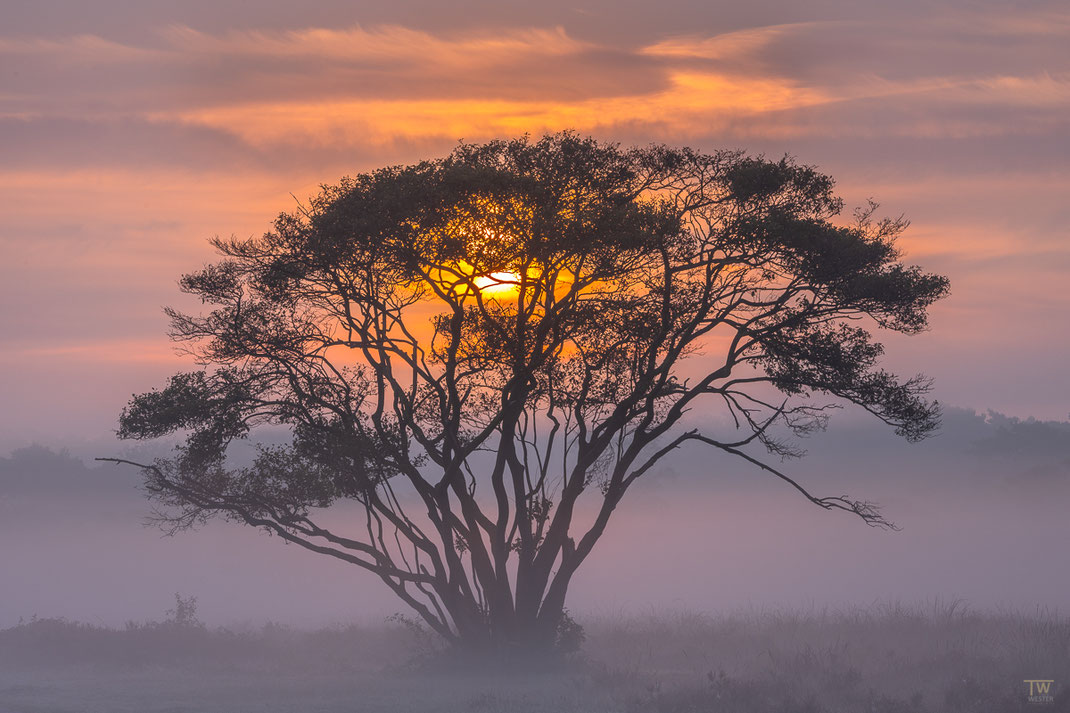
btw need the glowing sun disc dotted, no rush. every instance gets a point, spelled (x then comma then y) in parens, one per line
(497, 282)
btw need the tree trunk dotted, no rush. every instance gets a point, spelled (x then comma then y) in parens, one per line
(513, 637)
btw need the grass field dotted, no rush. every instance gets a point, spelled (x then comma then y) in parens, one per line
(940, 658)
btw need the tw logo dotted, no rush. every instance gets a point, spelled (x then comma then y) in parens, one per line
(1040, 690)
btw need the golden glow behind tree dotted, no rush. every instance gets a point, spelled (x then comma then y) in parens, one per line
(470, 347)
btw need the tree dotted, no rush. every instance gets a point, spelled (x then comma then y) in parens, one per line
(467, 348)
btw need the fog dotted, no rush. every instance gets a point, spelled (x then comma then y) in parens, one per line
(980, 507)
(715, 588)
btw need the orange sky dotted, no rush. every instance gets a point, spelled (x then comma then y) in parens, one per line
(130, 134)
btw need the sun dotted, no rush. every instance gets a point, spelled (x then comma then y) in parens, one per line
(498, 283)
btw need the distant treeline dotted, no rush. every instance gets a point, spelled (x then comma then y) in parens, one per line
(971, 441)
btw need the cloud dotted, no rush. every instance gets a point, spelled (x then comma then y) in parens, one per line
(79, 48)
(693, 102)
(387, 43)
(382, 84)
(383, 43)
(729, 46)
(86, 77)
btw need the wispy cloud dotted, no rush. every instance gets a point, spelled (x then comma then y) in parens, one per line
(730, 46)
(79, 48)
(388, 43)
(692, 103)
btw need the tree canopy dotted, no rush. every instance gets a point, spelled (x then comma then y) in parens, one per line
(467, 348)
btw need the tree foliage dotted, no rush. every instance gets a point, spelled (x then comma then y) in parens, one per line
(468, 347)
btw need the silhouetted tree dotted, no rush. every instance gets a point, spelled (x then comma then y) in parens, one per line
(469, 347)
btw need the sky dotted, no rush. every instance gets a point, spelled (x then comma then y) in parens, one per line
(131, 132)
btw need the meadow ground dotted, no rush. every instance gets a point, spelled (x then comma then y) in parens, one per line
(939, 658)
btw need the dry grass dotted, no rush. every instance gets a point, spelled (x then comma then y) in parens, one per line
(891, 658)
